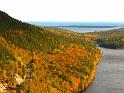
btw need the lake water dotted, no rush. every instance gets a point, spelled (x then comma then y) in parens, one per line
(110, 73)
(83, 30)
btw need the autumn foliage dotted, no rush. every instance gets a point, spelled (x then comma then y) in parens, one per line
(49, 60)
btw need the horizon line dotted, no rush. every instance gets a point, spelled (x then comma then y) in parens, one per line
(79, 21)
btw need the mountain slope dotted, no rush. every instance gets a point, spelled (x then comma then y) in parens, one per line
(44, 60)
(23, 35)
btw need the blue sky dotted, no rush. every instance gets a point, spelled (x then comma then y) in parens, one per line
(65, 10)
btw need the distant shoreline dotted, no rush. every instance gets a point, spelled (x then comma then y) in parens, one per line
(86, 26)
(77, 24)
(80, 27)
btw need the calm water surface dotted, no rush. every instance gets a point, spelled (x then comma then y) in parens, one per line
(110, 73)
(82, 30)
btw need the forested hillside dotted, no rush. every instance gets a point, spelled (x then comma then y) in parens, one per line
(109, 39)
(44, 60)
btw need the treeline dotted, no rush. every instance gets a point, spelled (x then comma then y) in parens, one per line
(109, 39)
(112, 39)
(112, 43)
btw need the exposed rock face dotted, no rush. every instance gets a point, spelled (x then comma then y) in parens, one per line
(5, 88)
(18, 79)
(2, 88)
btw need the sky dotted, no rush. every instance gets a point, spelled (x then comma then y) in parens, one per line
(65, 10)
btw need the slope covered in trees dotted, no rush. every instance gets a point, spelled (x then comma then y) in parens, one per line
(44, 60)
(109, 39)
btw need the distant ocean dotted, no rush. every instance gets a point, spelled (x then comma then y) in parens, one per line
(81, 26)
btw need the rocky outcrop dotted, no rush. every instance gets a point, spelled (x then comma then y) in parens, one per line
(2, 88)
(18, 79)
(5, 87)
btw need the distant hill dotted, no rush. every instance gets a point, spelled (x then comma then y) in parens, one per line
(44, 60)
(109, 39)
